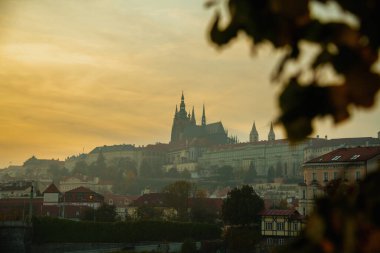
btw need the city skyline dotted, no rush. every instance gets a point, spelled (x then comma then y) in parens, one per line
(76, 75)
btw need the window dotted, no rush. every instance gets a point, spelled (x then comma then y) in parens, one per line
(268, 226)
(335, 175)
(110, 202)
(325, 176)
(314, 176)
(295, 226)
(357, 175)
(280, 226)
(354, 157)
(336, 158)
(303, 194)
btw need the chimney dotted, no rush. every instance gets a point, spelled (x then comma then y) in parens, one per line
(326, 136)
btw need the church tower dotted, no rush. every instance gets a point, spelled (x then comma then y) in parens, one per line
(254, 135)
(203, 116)
(271, 135)
(193, 121)
(180, 122)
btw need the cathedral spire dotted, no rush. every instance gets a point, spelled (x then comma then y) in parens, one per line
(203, 116)
(182, 108)
(193, 121)
(176, 112)
(254, 135)
(271, 135)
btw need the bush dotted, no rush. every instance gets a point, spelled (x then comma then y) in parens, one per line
(49, 230)
(188, 246)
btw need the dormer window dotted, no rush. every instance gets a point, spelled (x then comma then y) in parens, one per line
(336, 158)
(355, 157)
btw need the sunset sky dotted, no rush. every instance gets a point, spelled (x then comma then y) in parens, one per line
(77, 74)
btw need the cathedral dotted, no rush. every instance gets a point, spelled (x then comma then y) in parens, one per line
(186, 131)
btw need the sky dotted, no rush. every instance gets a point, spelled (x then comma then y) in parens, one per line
(77, 74)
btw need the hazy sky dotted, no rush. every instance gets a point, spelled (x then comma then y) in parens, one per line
(77, 74)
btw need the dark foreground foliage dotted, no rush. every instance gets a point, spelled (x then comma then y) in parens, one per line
(48, 230)
(350, 50)
(346, 220)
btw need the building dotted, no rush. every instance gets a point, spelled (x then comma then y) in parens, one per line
(121, 203)
(348, 164)
(95, 184)
(158, 202)
(186, 130)
(320, 146)
(16, 189)
(280, 226)
(278, 156)
(153, 154)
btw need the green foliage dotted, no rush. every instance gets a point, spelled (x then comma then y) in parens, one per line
(242, 206)
(80, 167)
(48, 230)
(349, 49)
(179, 192)
(225, 173)
(242, 239)
(270, 174)
(188, 246)
(149, 170)
(105, 213)
(251, 174)
(345, 220)
(201, 212)
(149, 213)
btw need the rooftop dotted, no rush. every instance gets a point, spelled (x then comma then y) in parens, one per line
(357, 154)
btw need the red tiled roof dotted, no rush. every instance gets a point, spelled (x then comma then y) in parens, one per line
(278, 212)
(348, 155)
(211, 203)
(152, 199)
(80, 189)
(52, 189)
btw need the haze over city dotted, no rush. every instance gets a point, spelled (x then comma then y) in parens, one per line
(81, 74)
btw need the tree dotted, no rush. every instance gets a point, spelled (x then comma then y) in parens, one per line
(148, 213)
(202, 212)
(173, 173)
(106, 213)
(178, 195)
(80, 167)
(148, 170)
(242, 206)
(271, 174)
(225, 173)
(279, 170)
(251, 173)
(350, 50)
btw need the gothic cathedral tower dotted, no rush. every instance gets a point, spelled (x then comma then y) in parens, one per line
(181, 121)
(271, 135)
(254, 135)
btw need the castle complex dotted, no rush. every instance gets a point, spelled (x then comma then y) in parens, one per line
(198, 148)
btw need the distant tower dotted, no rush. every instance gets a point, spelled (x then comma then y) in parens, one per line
(180, 121)
(271, 135)
(203, 116)
(378, 135)
(254, 135)
(193, 121)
